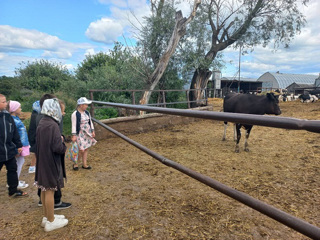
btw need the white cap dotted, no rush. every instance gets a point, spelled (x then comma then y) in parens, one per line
(83, 100)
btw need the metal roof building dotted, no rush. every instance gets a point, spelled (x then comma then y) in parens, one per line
(283, 80)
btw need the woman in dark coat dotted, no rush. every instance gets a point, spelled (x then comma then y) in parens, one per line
(50, 168)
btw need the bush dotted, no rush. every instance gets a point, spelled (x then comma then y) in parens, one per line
(105, 113)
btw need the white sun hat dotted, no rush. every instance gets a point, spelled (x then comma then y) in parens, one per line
(83, 100)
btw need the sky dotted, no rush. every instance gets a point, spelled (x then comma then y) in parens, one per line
(65, 31)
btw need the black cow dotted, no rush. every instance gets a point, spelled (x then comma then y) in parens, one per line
(250, 104)
(304, 98)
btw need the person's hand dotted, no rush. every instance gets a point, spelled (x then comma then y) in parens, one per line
(19, 150)
(93, 134)
(62, 138)
(74, 138)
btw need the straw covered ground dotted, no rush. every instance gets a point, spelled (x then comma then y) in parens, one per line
(130, 195)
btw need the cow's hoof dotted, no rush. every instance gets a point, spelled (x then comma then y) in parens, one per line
(247, 150)
(237, 150)
(223, 139)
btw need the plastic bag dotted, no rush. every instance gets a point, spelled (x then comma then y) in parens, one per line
(72, 153)
(25, 151)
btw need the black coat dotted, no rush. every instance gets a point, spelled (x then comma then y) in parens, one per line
(9, 137)
(32, 131)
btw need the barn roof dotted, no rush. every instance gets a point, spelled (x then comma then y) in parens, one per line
(286, 79)
(242, 79)
(302, 85)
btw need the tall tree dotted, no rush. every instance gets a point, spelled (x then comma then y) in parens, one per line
(242, 23)
(160, 54)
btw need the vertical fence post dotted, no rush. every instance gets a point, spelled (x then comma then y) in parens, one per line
(133, 98)
(92, 105)
(164, 99)
(187, 95)
(207, 95)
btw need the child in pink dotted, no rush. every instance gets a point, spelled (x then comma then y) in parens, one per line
(15, 111)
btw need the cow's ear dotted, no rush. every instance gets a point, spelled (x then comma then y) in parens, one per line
(270, 96)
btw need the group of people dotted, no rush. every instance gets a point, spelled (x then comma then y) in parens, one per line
(46, 143)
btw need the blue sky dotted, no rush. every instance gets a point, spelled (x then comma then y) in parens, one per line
(64, 31)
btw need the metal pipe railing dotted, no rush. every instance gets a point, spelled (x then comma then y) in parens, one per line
(295, 223)
(261, 120)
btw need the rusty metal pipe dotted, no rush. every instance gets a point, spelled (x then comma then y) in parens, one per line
(295, 223)
(252, 119)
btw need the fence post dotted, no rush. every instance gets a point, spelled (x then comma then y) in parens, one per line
(92, 104)
(133, 98)
(164, 99)
(187, 95)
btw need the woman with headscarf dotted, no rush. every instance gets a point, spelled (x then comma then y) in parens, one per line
(50, 169)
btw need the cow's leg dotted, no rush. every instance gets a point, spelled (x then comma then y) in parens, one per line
(225, 131)
(248, 130)
(238, 128)
(235, 132)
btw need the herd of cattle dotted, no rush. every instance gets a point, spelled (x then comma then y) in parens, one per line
(312, 96)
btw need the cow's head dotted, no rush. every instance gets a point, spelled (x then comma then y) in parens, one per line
(273, 104)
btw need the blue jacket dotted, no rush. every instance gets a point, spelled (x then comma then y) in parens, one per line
(9, 137)
(21, 130)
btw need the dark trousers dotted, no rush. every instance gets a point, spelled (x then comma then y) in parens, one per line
(57, 196)
(12, 176)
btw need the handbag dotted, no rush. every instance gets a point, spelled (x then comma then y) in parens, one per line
(72, 153)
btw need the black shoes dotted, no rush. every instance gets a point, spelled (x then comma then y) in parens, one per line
(58, 206)
(88, 167)
(62, 205)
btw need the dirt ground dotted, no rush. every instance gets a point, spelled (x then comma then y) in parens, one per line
(130, 195)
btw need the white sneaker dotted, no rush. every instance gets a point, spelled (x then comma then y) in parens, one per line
(57, 223)
(22, 185)
(44, 219)
(32, 169)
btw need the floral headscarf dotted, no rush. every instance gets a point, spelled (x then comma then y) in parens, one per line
(51, 108)
(36, 106)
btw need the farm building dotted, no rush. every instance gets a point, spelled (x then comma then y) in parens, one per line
(295, 83)
(228, 84)
(299, 88)
(283, 80)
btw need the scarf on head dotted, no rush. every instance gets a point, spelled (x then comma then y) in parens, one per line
(51, 108)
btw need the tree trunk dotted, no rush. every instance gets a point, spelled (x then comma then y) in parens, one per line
(199, 82)
(178, 32)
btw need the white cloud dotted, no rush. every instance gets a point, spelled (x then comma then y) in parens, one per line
(105, 30)
(89, 51)
(118, 3)
(301, 57)
(20, 40)
(125, 17)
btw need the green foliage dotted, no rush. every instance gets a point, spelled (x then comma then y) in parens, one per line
(105, 113)
(42, 75)
(112, 70)
(157, 32)
(91, 62)
(8, 86)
